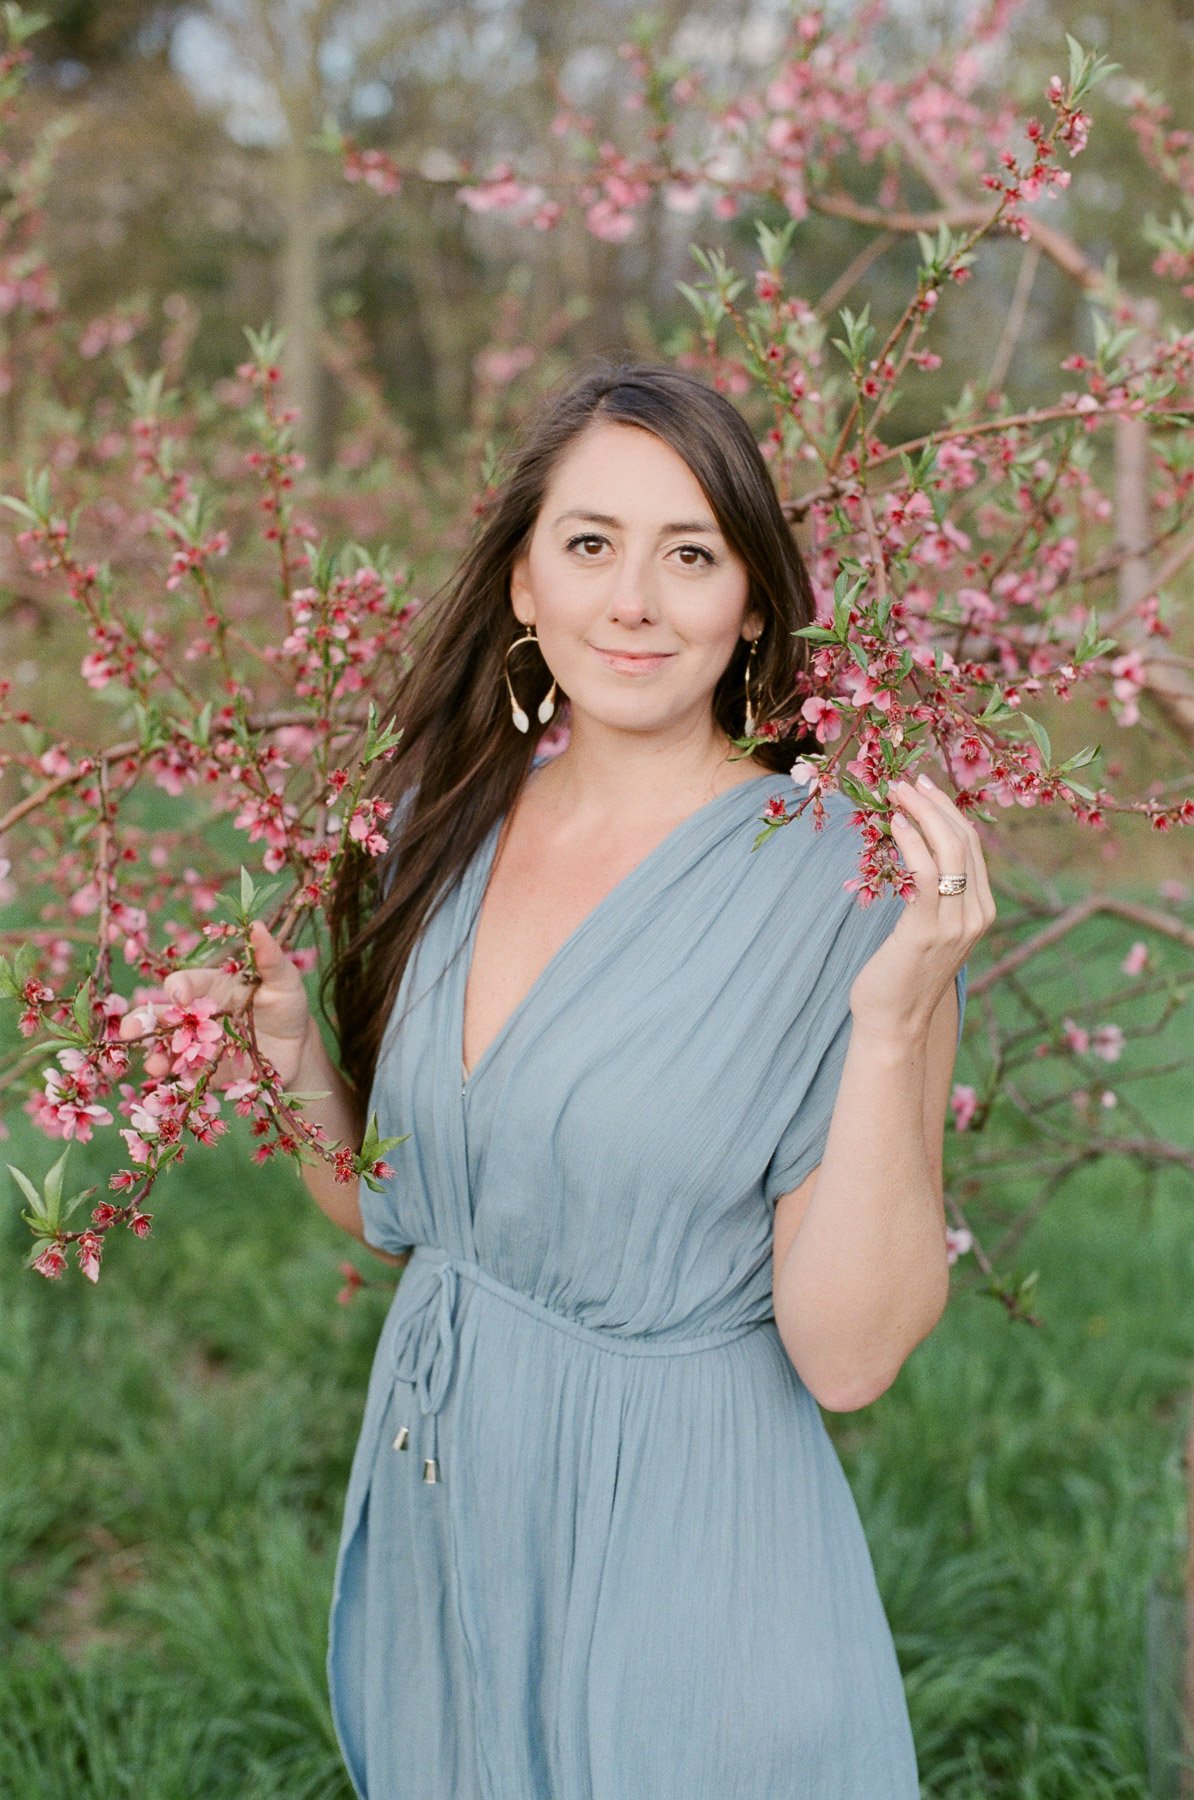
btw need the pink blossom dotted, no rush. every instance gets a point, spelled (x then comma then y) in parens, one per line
(1129, 674)
(957, 1243)
(824, 716)
(67, 1109)
(612, 223)
(1136, 960)
(139, 1149)
(964, 1104)
(500, 191)
(353, 1279)
(196, 1035)
(1076, 1038)
(51, 1262)
(683, 196)
(89, 1248)
(500, 366)
(863, 690)
(55, 761)
(1107, 1041)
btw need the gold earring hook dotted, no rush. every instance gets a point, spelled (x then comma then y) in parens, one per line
(546, 705)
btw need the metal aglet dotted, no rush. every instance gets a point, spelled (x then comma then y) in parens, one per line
(430, 1469)
(403, 1438)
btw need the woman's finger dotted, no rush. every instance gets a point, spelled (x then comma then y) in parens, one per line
(982, 880)
(950, 853)
(916, 852)
(978, 886)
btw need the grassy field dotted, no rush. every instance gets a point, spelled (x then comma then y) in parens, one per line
(176, 1446)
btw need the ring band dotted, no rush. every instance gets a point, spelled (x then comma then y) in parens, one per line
(951, 884)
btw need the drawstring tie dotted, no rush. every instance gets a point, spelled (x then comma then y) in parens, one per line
(423, 1354)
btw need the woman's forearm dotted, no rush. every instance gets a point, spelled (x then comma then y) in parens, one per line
(866, 1276)
(338, 1114)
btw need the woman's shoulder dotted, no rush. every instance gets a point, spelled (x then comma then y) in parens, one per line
(825, 838)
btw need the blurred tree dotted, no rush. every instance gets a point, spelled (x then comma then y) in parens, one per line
(190, 167)
(100, 36)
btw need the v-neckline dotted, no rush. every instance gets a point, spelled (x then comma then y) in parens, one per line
(485, 860)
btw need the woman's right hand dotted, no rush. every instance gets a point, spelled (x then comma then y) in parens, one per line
(281, 1014)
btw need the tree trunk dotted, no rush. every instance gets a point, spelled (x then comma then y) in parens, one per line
(1170, 688)
(300, 297)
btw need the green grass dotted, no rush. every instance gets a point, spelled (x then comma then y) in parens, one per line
(177, 1441)
(1022, 1491)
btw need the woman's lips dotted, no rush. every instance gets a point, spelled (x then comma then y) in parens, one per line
(631, 663)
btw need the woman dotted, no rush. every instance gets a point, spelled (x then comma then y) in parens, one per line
(673, 1172)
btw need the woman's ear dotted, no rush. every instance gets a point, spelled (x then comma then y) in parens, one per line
(520, 590)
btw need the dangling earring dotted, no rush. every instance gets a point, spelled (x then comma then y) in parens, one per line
(546, 706)
(750, 724)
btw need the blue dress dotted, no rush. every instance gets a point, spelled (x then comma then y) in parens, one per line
(640, 1574)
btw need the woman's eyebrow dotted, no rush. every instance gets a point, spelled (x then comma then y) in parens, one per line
(596, 518)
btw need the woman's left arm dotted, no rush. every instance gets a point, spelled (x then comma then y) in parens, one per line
(863, 1278)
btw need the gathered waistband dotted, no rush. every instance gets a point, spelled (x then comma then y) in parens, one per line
(423, 1346)
(601, 1338)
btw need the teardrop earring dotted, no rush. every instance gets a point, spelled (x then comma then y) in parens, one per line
(546, 706)
(750, 725)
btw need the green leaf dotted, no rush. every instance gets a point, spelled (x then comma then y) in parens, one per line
(30, 1192)
(856, 790)
(81, 1008)
(774, 245)
(22, 25)
(19, 507)
(329, 138)
(996, 707)
(1041, 735)
(54, 1178)
(75, 1202)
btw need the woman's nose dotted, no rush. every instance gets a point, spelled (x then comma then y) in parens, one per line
(631, 594)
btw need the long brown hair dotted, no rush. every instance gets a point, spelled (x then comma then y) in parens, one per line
(460, 763)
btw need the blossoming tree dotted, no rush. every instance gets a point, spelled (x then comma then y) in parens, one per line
(966, 576)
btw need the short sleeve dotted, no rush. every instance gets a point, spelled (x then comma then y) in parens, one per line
(802, 1145)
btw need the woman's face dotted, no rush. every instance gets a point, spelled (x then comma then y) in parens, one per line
(636, 598)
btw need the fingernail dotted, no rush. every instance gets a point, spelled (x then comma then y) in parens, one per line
(897, 818)
(923, 779)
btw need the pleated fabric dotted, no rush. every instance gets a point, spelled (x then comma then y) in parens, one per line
(641, 1571)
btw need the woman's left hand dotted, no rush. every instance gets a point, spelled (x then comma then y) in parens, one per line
(899, 988)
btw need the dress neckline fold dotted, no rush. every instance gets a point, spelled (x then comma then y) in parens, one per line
(479, 882)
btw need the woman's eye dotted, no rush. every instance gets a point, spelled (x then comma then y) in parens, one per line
(684, 551)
